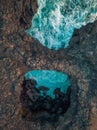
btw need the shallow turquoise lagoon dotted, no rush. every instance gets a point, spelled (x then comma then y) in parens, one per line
(51, 79)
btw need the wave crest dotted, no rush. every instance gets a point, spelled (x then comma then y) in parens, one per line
(54, 23)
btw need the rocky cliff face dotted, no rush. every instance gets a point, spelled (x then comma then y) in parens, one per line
(18, 12)
(19, 54)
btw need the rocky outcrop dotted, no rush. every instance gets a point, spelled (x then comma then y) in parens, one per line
(19, 54)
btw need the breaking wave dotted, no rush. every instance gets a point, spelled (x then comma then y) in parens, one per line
(54, 23)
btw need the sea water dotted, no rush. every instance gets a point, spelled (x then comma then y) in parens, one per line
(50, 79)
(54, 23)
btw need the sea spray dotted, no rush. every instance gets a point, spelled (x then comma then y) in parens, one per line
(54, 23)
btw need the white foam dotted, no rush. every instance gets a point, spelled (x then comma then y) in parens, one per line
(58, 18)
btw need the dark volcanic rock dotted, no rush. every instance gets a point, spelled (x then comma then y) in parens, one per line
(19, 53)
(35, 103)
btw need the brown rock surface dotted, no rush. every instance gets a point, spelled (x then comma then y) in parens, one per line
(20, 53)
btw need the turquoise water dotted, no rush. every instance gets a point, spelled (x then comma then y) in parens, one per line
(54, 23)
(51, 79)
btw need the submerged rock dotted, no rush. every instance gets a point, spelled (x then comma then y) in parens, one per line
(34, 101)
(49, 80)
(54, 23)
